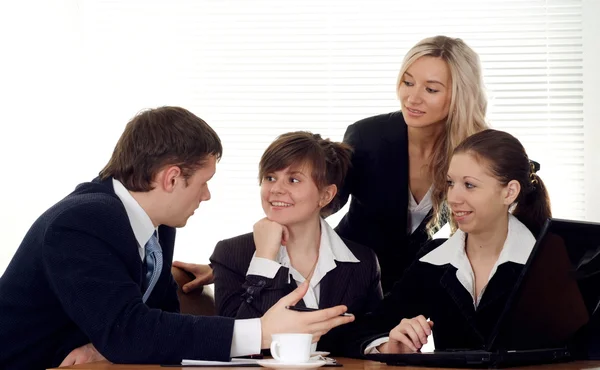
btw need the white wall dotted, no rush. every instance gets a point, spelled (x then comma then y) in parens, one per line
(62, 110)
(43, 134)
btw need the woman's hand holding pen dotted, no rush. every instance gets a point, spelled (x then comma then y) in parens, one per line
(268, 237)
(409, 336)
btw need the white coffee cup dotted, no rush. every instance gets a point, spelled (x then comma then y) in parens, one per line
(291, 347)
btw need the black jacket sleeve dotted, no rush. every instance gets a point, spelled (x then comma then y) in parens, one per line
(90, 278)
(237, 294)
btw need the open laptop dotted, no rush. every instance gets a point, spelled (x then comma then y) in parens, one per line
(545, 310)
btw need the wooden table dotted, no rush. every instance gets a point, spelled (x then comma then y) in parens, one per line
(349, 364)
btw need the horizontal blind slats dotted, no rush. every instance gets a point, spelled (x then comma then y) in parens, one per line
(256, 69)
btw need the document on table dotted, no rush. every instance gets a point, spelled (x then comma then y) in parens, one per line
(233, 362)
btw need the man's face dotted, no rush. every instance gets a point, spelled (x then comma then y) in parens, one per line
(188, 195)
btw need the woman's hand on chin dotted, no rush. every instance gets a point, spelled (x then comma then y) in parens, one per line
(268, 237)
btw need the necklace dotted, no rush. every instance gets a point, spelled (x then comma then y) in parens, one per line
(312, 270)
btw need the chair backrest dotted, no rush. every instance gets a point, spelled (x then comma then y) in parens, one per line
(199, 302)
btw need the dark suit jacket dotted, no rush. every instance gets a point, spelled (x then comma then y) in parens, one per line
(356, 285)
(378, 183)
(435, 292)
(77, 277)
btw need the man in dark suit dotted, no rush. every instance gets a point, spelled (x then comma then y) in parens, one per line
(92, 276)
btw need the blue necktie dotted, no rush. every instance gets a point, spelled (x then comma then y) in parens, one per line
(154, 262)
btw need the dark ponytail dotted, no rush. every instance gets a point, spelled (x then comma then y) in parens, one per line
(508, 161)
(533, 204)
(338, 157)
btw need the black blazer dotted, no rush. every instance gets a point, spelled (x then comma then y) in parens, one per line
(435, 292)
(378, 183)
(356, 285)
(77, 278)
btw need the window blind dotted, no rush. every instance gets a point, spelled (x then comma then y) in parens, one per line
(256, 69)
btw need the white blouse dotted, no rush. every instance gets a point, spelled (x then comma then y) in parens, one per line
(517, 248)
(332, 249)
(418, 211)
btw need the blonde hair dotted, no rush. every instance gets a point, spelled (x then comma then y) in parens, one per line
(468, 105)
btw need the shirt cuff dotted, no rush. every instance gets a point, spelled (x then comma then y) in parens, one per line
(263, 267)
(247, 337)
(372, 347)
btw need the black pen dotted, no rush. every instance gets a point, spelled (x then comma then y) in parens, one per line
(306, 309)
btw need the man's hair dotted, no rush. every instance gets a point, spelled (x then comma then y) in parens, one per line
(155, 138)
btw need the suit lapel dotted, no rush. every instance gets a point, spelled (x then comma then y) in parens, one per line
(460, 296)
(501, 285)
(290, 287)
(395, 165)
(140, 269)
(332, 291)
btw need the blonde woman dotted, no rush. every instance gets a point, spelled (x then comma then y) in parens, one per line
(398, 173)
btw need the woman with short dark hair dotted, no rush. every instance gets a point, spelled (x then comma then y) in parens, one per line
(299, 175)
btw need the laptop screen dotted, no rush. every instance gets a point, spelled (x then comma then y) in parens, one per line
(547, 307)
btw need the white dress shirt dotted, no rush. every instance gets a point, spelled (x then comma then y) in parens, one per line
(138, 218)
(517, 248)
(418, 211)
(332, 249)
(247, 334)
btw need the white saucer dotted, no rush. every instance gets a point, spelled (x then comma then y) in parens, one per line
(272, 363)
(320, 353)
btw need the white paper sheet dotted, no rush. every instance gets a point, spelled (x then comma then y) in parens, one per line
(233, 362)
